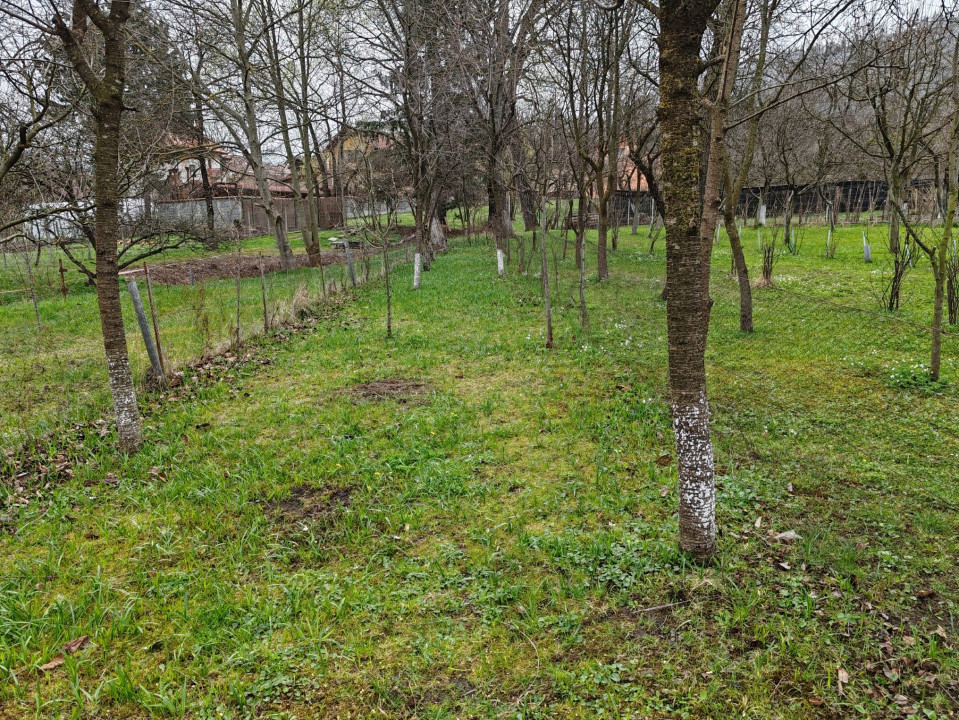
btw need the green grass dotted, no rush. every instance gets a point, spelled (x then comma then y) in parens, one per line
(504, 544)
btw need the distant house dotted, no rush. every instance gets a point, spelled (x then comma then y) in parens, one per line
(181, 195)
(358, 144)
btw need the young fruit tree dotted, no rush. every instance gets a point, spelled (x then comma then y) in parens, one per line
(93, 37)
(689, 221)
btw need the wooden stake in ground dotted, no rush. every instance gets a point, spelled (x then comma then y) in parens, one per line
(63, 284)
(153, 314)
(33, 292)
(389, 299)
(545, 277)
(157, 373)
(349, 260)
(266, 313)
(239, 247)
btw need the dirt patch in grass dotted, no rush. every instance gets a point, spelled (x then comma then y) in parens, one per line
(399, 389)
(309, 504)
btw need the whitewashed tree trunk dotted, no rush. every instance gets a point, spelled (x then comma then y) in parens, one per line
(417, 270)
(500, 262)
(697, 491)
(761, 218)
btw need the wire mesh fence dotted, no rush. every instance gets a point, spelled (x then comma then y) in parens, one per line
(52, 371)
(823, 362)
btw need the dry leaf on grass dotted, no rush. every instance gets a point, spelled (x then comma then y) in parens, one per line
(76, 644)
(53, 664)
(68, 649)
(788, 536)
(842, 678)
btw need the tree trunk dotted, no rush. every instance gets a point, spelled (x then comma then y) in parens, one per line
(682, 25)
(895, 201)
(739, 262)
(940, 261)
(935, 361)
(544, 274)
(602, 239)
(788, 218)
(108, 111)
(204, 174)
(254, 151)
(636, 198)
(107, 228)
(437, 236)
(527, 205)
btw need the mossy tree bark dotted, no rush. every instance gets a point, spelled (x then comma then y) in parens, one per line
(106, 89)
(682, 25)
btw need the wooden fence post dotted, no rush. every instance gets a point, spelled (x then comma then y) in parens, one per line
(63, 284)
(266, 314)
(33, 292)
(349, 259)
(239, 250)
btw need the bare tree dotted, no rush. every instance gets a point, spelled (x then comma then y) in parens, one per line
(229, 82)
(103, 74)
(893, 104)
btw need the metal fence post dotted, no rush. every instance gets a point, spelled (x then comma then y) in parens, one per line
(157, 369)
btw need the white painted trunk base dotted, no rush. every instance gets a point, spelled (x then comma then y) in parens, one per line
(500, 261)
(417, 269)
(697, 490)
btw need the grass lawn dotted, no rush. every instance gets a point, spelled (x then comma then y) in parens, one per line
(459, 523)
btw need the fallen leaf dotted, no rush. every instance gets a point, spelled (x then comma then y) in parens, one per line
(111, 479)
(759, 521)
(789, 536)
(908, 640)
(53, 664)
(76, 644)
(842, 678)
(785, 565)
(664, 460)
(941, 632)
(789, 487)
(816, 701)
(891, 674)
(664, 491)
(900, 699)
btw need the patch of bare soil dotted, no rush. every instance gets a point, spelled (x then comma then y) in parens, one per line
(310, 504)
(399, 389)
